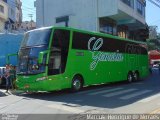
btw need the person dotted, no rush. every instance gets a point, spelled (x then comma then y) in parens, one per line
(150, 68)
(14, 80)
(159, 67)
(7, 76)
(12, 73)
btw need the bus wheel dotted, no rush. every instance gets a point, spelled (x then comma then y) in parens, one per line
(130, 77)
(136, 76)
(77, 83)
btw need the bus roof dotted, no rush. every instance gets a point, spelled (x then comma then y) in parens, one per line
(89, 32)
(99, 34)
(42, 28)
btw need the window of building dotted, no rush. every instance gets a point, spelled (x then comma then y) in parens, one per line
(1, 9)
(107, 25)
(12, 12)
(129, 2)
(122, 31)
(141, 7)
(5, 1)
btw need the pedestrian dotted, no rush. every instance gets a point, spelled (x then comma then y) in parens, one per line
(159, 67)
(12, 73)
(7, 76)
(150, 68)
(14, 76)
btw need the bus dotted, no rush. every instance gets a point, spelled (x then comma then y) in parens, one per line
(56, 58)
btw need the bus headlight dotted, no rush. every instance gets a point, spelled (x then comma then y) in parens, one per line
(35, 67)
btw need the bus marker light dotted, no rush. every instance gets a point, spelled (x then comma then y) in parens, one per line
(26, 86)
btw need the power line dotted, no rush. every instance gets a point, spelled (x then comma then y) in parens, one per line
(30, 15)
(29, 10)
(153, 2)
(158, 1)
(23, 7)
(28, 7)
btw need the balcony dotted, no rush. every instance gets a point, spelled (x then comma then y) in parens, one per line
(3, 11)
(127, 13)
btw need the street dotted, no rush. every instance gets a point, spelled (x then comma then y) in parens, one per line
(140, 97)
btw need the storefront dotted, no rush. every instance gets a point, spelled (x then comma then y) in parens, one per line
(154, 56)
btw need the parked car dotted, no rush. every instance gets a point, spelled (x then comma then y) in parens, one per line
(2, 77)
(155, 65)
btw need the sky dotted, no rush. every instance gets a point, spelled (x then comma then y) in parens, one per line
(152, 15)
(27, 9)
(152, 12)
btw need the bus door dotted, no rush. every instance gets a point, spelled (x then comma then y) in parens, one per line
(130, 58)
(58, 57)
(138, 52)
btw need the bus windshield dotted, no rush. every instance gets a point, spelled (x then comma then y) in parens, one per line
(33, 43)
(35, 38)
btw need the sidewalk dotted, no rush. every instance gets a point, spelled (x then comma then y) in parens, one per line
(10, 92)
(2, 92)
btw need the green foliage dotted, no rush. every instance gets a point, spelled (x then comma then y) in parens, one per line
(154, 44)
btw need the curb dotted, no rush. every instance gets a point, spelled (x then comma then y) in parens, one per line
(11, 92)
(157, 111)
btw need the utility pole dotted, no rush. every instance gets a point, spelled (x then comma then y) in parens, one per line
(97, 16)
(43, 12)
(31, 15)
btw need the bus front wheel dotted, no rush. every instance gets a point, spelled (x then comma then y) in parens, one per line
(77, 83)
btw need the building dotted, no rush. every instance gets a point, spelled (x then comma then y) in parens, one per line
(125, 18)
(14, 15)
(154, 56)
(10, 44)
(27, 25)
(3, 14)
(153, 32)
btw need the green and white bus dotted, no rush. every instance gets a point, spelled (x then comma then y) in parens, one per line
(57, 58)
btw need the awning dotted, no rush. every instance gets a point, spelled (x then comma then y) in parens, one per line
(154, 55)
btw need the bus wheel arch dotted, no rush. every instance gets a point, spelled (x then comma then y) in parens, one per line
(77, 82)
(130, 77)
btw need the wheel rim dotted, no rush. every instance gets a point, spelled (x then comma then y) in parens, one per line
(77, 84)
(136, 76)
(130, 78)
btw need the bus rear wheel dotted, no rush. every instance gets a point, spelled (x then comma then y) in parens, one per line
(136, 76)
(130, 77)
(77, 83)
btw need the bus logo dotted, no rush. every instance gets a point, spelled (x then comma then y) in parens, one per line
(94, 45)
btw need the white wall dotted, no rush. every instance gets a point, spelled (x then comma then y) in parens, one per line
(107, 7)
(80, 13)
(84, 15)
(46, 16)
(4, 16)
(1, 26)
(132, 12)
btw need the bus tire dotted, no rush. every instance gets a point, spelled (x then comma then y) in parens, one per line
(77, 83)
(130, 77)
(136, 76)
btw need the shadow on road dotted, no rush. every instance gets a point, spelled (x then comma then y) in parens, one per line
(2, 94)
(84, 98)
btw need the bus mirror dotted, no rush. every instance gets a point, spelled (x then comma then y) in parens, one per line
(41, 56)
